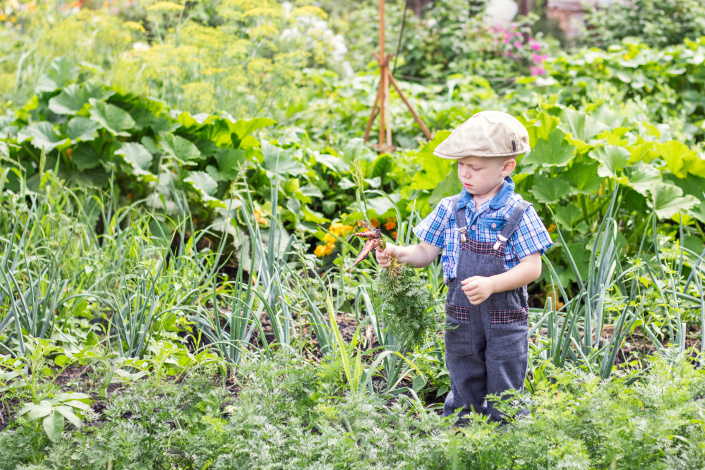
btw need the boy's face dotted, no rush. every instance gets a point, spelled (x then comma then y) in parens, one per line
(481, 175)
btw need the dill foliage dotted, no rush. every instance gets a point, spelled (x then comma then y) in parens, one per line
(405, 304)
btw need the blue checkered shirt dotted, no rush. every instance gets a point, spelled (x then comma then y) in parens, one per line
(438, 228)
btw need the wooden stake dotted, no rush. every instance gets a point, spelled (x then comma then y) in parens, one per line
(381, 103)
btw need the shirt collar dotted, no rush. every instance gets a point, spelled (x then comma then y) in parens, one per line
(498, 201)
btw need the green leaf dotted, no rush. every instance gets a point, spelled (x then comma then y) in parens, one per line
(43, 135)
(433, 171)
(668, 199)
(580, 125)
(612, 159)
(582, 177)
(85, 157)
(38, 411)
(136, 156)
(68, 413)
(549, 191)
(230, 161)
(542, 128)
(60, 73)
(449, 186)
(54, 426)
(81, 128)
(698, 211)
(418, 383)
(567, 216)
(642, 177)
(282, 162)
(183, 150)
(203, 184)
(555, 151)
(70, 101)
(244, 127)
(114, 119)
(674, 153)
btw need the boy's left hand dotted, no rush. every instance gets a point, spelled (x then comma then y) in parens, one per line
(477, 288)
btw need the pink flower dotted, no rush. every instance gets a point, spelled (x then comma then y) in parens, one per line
(517, 44)
(535, 70)
(535, 45)
(537, 59)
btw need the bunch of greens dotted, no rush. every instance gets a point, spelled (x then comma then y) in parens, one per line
(405, 303)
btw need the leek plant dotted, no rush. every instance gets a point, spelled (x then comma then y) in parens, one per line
(575, 331)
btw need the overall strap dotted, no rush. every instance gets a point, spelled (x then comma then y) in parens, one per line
(512, 224)
(461, 226)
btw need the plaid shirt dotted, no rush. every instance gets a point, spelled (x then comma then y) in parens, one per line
(438, 228)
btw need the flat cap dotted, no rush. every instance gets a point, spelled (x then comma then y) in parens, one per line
(486, 134)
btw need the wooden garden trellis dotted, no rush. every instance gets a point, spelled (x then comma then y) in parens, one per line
(381, 105)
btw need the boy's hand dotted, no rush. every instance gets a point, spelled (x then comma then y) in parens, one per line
(384, 257)
(478, 288)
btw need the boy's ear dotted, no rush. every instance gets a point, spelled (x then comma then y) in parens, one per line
(509, 165)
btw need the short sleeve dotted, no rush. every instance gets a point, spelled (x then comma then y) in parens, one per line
(432, 227)
(531, 236)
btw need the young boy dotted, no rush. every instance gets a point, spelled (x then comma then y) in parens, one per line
(492, 241)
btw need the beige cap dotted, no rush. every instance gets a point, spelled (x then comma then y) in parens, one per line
(486, 134)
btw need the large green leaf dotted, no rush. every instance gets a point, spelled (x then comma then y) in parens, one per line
(542, 128)
(581, 126)
(568, 216)
(582, 177)
(244, 127)
(555, 151)
(449, 186)
(230, 161)
(60, 73)
(43, 135)
(84, 157)
(136, 156)
(114, 119)
(642, 177)
(668, 199)
(70, 101)
(205, 186)
(674, 154)
(280, 161)
(183, 150)
(54, 426)
(612, 159)
(549, 191)
(81, 128)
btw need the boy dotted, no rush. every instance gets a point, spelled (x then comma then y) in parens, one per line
(492, 241)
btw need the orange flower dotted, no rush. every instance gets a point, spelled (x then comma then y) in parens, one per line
(394, 234)
(391, 224)
(375, 223)
(551, 228)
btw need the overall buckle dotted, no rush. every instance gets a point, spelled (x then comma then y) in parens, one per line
(462, 232)
(500, 239)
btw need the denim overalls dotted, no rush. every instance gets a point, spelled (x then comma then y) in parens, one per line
(487, 344)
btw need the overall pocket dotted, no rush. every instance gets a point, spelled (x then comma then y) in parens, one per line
(458, 337)
(509, 334)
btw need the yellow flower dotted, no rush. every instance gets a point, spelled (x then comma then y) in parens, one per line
(328, 238)
(320, 251)
(626, 57)
(551, 228)
(329, 248)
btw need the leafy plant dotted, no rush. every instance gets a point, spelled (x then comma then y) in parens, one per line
(63, 407)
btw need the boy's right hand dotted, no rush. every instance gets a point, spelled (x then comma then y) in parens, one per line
(384, 257)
